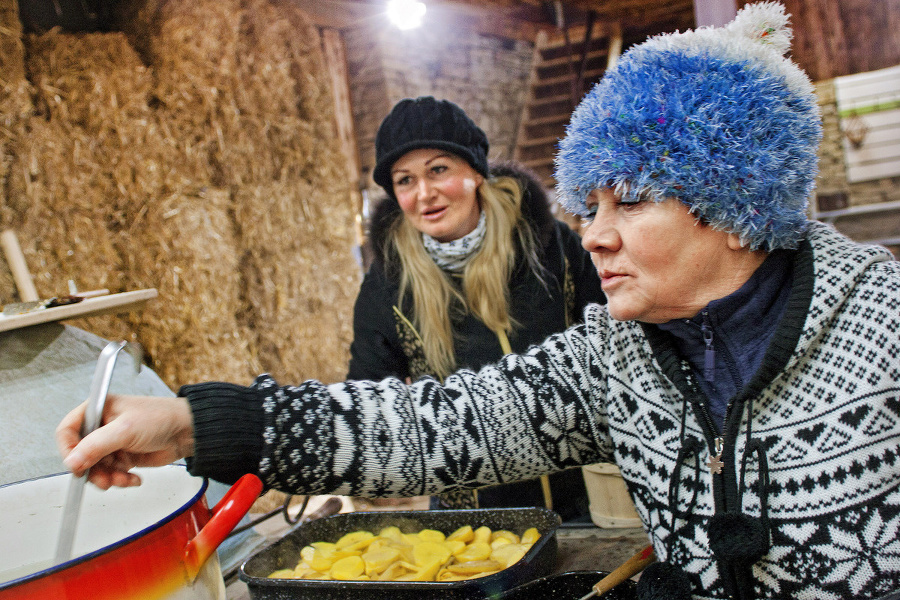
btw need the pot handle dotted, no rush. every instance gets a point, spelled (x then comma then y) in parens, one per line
(226, 515)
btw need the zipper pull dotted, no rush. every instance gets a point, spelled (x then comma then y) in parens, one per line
(715, 463)
(709, 357)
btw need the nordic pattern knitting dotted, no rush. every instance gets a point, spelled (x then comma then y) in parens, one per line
(830, 426)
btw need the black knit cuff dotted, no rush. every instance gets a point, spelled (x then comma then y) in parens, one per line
(228, 426)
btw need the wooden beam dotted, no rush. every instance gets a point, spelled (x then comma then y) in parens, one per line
(336, 63)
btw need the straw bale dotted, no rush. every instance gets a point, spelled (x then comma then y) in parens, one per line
(93, 81)
(185, 246)
(12, 66)
(15, 105)
(201, 161)
(89, 90)
(300, 279)
(194, 71)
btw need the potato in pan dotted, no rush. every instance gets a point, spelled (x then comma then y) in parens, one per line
(436, 532)
(425, 555)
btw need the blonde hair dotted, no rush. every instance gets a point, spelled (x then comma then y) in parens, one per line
(485, 279)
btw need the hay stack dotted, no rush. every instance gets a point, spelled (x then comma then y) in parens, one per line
(15, 107)
(202, 161)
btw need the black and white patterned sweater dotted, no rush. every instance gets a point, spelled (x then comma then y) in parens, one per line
(825, 412)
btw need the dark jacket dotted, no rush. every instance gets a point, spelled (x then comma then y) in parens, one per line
(386, 343)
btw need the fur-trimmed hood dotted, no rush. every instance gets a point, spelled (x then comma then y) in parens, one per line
(535, 207)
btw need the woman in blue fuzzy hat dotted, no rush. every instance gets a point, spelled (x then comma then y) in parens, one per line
(744, 374)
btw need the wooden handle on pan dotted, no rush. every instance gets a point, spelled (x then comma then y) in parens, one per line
(626, 570)
(18, 267)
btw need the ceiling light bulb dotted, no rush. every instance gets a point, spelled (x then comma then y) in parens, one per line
(405, 14)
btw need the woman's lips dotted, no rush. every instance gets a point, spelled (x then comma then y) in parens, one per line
(434, 214)
(609, 280)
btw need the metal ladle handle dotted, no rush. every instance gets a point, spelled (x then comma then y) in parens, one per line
(92, 414)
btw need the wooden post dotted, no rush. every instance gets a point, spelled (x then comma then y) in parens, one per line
(18, 266)
(336, 63)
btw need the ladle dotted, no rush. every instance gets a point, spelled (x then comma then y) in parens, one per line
(92, 415)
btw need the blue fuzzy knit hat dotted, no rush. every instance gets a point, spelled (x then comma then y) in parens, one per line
(716, 117)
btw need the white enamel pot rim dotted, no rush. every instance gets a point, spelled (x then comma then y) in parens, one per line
(116, 525)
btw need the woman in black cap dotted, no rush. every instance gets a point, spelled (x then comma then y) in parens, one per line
(469, 265)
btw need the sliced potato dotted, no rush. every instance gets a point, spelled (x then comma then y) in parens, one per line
(379, 559)
(282, 574)
(482, 534)
(355, 540)
(474, 566)
(463, 534)
(455, 546)
(509, 554)
(530, 536)
(432, 535)
(349, 567)
(425, 553)
(474, 551)
(426, 572)
(503, 534)
(393, 532)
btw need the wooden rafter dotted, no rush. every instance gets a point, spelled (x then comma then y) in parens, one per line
(516, 19)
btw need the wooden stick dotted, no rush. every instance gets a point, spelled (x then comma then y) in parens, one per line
(18, 267)
(626, 570)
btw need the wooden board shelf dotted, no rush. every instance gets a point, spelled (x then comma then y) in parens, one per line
(89, 307)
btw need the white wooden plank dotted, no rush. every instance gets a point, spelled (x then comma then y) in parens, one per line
(862, 78)
(873, 171)
(870, 153)
(874, 87)
(885, 119)
(876, 138)
(877, 91)
(871, 88)
(89, 307)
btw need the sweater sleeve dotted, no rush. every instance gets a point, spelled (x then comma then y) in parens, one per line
(228, 425)
(375, 352)
(523, 417)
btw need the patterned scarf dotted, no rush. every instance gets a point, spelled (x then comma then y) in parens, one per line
(452, 256)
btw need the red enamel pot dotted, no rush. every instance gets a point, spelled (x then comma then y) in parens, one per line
(153, 542)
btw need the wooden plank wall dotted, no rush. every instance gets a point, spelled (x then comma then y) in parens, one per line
(841, 37)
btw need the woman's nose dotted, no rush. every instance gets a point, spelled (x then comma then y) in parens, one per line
(423, 188)
(601, 235)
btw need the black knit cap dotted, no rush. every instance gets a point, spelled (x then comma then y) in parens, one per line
(425, 122)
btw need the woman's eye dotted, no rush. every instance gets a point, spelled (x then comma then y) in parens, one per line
(632, 202)
(401, 181)
(438, 169)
